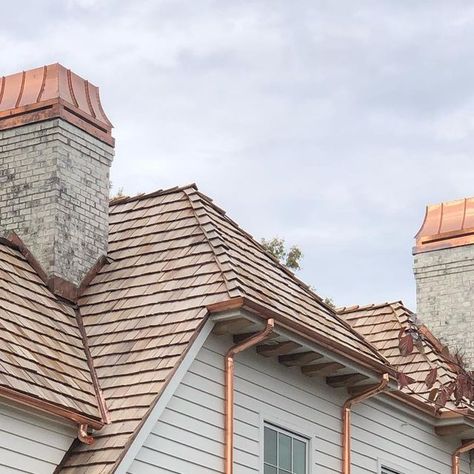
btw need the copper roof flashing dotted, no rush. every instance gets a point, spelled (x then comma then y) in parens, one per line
(53, 92)
(446, 225)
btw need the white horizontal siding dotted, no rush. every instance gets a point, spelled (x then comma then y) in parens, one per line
(189, 436)
(30, 443)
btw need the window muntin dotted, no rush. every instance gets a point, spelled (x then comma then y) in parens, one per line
(284, 452)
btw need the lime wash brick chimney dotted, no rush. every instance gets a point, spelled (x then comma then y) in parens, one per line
(444, 274)
(56, 150)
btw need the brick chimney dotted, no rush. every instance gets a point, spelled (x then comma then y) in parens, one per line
(56, 149)
(444, 273)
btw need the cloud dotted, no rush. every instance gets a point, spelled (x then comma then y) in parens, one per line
(329, 123)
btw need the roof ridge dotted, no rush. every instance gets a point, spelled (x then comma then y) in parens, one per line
(355, 308)
(297, 280)
(208, 239)
(159, 192)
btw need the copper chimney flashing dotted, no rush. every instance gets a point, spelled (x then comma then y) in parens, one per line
(449, 224)
(53, 92)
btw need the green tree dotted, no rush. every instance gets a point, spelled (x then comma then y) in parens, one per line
(291, 257)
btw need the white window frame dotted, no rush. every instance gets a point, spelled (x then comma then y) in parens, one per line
(395, 468)
(296, 434)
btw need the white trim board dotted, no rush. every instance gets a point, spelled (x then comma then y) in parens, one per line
(164, 399)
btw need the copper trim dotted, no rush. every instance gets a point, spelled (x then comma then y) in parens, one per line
(43, 83)
(23, 97)
(307, 333)
(48, 407)
(22, 88)
(88, 97)
(456, 456)
(99, 104)
(2, 89)
(91, 274)
(427, 408)
(83, 435)
(445, 225)
(229, 391)
(464, 213)
(71, 90)
(346, 419)
(441, 218)
(104, 412)
(16, 241)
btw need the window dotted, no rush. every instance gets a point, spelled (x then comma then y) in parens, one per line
(284, 452)
(387, 470)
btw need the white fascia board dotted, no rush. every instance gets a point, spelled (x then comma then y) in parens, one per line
(164, 399)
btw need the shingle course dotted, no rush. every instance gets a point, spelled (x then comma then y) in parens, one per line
(42, 352)
(173, 254)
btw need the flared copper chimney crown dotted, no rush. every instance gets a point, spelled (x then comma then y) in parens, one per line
(450, 224)
(50, 92)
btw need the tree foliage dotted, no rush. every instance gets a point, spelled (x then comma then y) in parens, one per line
(291, 257)
(459, 389)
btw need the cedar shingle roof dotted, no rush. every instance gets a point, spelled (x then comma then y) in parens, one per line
(42, 351)
(381, 325)
(173, 253)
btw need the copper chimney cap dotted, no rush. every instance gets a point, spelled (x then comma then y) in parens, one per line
(449, 224)
(50, 92)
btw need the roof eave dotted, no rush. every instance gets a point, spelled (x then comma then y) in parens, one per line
(50, 408)
(304, 331)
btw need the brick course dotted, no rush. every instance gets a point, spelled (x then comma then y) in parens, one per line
(54, 193)
(445, 296)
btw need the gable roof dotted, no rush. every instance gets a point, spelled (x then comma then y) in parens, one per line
(173, 254)
(43, 361)
(381, 325)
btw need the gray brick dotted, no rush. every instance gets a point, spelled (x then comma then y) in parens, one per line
(54, 194)
(445, 297)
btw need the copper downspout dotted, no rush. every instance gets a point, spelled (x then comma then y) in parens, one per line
(83, 435)
(346, 419)
(456, 456)
(229, 391)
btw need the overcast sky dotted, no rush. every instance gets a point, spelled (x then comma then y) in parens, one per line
(329, 123)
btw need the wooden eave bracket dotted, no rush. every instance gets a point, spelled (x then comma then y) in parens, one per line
(239, 306)
(290, 349)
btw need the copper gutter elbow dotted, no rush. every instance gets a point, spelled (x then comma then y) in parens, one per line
(83, 436)
(229, 391)
(346, 419)
(456, 456)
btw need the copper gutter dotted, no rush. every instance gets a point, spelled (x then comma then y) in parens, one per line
(346, 419)
(306, 332)
(48, 407)
(229, 391)
(455, 458)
